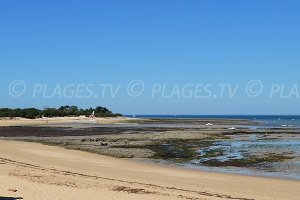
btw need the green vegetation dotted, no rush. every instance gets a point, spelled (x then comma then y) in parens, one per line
(213, 153)
(63, 111)
(175, 150)
(248, 161)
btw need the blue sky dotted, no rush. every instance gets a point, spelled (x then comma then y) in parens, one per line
(167, 42)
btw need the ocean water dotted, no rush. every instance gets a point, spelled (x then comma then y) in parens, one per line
(268, 121)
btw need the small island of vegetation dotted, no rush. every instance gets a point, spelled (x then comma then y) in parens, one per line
(63, 111)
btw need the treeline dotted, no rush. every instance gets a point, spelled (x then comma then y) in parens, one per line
(63, 111)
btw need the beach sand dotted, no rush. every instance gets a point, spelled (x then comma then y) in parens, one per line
(59, 121)
(39, 171)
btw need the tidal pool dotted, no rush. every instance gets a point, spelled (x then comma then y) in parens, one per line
(253, 154)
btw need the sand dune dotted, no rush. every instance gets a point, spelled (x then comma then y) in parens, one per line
(38, 171)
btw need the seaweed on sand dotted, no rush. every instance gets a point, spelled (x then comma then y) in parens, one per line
(250, 161)
(176, 150)
(210, 153)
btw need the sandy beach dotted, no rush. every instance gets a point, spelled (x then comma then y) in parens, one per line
(36, 171)
(150, 100)
(58, 121)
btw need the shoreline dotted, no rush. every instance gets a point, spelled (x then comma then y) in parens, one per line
(214, 170)
(162, 163)
(159, 144)
(125, 174)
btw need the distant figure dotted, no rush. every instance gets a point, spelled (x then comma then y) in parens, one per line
(92, 116)
(45, 118)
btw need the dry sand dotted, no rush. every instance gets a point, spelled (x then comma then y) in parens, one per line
(63, 121)
(38, 171)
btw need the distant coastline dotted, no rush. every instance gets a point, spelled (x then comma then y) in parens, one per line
(62, 111)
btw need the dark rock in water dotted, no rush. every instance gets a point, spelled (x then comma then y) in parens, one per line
(91, 140)
(103, 144)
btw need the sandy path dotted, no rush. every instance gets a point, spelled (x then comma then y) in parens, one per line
(45, 172)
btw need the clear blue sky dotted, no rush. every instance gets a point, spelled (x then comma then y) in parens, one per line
(165, 41)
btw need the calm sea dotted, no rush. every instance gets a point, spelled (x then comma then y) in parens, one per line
(265, 120)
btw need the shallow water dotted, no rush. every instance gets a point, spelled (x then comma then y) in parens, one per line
(267, 121)
(240, 147)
